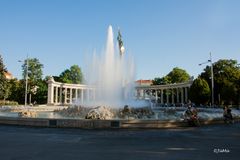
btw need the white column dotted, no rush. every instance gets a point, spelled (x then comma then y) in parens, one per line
(50, 93)
(141, 93)
(76, 94)
(161, 96)
(136, 94)
(70, 98)
(82, 95)
(156, 95)
(60, 99)
(65, 95)
(56, 95)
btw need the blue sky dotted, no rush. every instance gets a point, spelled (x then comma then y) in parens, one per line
(159, 34)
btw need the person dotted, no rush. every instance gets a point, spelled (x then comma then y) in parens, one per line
(188, 113)
(227, 115)
(191, 115)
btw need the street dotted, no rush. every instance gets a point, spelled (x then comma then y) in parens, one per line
(220, 142)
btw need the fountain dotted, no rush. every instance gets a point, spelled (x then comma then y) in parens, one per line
(113, 76)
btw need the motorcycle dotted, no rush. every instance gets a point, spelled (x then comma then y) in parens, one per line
(192, 120)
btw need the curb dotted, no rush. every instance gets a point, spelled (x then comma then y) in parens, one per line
(103, 124)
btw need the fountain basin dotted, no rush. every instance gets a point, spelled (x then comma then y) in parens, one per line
(162, 117)
(103, 124)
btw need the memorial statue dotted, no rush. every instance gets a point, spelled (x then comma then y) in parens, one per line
(120, 43)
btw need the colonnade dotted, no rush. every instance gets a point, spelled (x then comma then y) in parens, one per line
(171, 93)
(63, 93)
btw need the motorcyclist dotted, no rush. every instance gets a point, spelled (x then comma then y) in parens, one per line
(191, 115)
(227, 115)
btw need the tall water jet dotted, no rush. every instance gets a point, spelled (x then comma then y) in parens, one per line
(112, 74)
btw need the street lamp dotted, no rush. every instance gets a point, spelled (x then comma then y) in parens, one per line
(26, 80)
(212, 78)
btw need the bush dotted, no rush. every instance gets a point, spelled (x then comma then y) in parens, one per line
(200, 91)
(2, 102)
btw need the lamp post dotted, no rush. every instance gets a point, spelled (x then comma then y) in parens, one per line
(26, 80)
(212, 78)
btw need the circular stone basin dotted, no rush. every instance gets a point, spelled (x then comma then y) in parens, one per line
(156, 113)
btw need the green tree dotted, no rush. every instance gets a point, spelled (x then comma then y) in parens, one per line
(35, 73)
(226, 80)
(72, 75)
(34, 70)
(178, 75)
(229, 93)
(17, 90)
(161, 81)
(199, 91)
(40, 95)
(3, 80)
(6, 90)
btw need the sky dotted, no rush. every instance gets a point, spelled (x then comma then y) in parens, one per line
(159, 34)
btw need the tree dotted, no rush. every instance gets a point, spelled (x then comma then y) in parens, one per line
(199, 91)
(161, 81)
(72, 75)
(178, 75)
(6, 90)
(34, 71)
(3, 80)
(40, 96)
(17, 89)
(226, 80)
(229, 93)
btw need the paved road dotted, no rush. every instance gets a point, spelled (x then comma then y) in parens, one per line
(25, 143)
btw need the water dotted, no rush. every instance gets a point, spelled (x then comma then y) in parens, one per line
(40, 114)
(113, 75)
